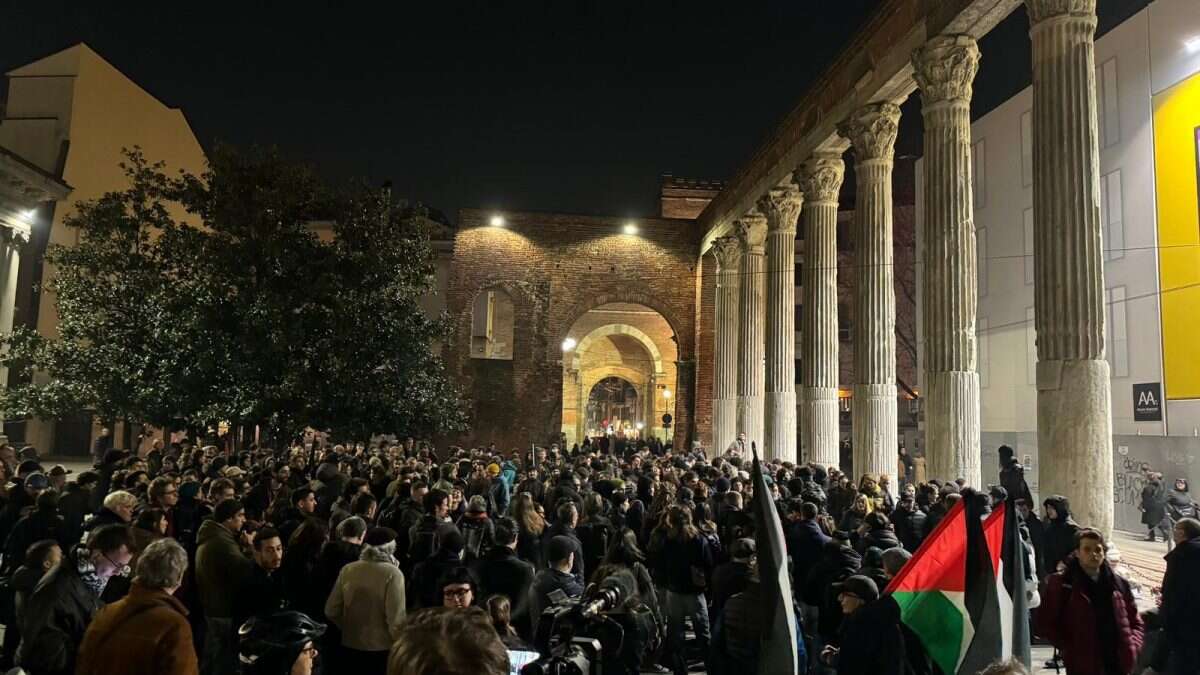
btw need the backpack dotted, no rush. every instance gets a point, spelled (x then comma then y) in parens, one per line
(593, 539)
(424, 541)
(473, 536)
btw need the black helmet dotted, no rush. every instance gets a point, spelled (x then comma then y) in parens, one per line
(270, 645)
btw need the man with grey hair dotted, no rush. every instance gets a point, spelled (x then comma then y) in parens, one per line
(147, 631)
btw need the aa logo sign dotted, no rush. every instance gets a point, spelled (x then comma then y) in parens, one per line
(1147, 402)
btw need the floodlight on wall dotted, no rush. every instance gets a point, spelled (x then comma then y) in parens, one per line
(1192, 44)
(28, 215)
(496, 221)
(568, 344)
(667, 394)
(640, 426)
(631, 228)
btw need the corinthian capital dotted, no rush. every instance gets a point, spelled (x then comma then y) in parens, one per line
(751, 230)
(781, 205)
(1040, 10)
(820, 178)
(945, 67)
(872, 131)
(728, 251)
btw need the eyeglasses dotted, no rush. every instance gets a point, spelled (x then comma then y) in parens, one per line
(456, 592)
(121, 568)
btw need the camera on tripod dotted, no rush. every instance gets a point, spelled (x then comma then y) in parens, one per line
(571, 633)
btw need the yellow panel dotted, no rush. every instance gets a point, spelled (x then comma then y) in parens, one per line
(1176, 126)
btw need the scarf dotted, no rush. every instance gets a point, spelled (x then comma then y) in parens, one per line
(87, 572)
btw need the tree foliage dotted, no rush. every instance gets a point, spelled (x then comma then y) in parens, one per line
(241, 312)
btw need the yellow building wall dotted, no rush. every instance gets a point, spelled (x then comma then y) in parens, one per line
(1176, 154)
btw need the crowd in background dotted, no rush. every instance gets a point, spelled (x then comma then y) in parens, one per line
(391, 557)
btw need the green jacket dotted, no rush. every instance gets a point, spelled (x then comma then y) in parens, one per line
(221, 567)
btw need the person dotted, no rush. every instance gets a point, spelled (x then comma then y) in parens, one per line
(866, 644)
(498, 491)
(58, 612)
(102, 445)
(838, 561)
(477, 528)
(74, 504)
(876, 531)
(732, 577)
(1154, 504)
(1059, 534)
(164, 494)
(1181, 599)
(147, 632)
(555, 579)
(422, 537)
(39, 558)
(444, 641)
(221, 570)
(501, 573)
(803, 536)
(368, 603)
(423, 590)
(303, 586)
(908, 521)
(262, 592)
(685, 560)
(456, 588)
(1180, 503)
(499, 607)
(1088, 612)
(44, 522)
(304, 507)
(279, 644)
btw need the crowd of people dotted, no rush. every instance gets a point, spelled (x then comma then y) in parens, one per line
(391, 557)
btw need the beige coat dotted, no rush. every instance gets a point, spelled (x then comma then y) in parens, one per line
(367, 602)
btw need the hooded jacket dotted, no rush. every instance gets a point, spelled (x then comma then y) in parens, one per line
(367, 602)
(1068, 619)
(1058, 539)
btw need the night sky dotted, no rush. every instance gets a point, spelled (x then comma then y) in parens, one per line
(551, 106)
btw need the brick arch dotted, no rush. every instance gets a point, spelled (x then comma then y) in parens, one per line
(644, 340)
(626, 294)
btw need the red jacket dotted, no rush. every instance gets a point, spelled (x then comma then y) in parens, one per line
(1067, 619)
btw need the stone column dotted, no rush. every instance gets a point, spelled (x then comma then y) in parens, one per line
(781, 206)
(728, 252)
(821, 181)
(1073, 401)
(751, 231)
(872, 132)
(944, 69)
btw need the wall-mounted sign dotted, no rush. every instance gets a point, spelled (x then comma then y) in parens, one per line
(1147, 402)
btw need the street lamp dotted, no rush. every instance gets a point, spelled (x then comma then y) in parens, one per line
(496, 221)
(667, 394)
(631, 228)
(568, 344)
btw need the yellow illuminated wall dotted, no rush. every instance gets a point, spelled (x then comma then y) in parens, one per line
(1176, 153)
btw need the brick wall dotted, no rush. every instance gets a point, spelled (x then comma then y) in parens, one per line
(556, 268)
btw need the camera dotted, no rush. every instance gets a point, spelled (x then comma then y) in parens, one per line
(570, 634)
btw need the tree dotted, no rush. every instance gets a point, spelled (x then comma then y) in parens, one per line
(250, 317)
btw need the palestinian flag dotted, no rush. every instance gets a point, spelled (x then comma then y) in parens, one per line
(778, 654)
(953, 593)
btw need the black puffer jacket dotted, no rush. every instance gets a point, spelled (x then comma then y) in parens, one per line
(56, 616)
(838, 561)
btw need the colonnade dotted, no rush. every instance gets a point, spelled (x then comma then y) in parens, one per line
(754, 375)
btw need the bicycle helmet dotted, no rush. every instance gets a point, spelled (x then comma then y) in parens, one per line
(270, 645)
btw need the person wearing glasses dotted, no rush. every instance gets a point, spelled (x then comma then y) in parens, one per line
(58, 612)
(164, 494)
(117, 638)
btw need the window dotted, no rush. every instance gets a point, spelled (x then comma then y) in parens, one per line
(1112, 215)
(981, 261)
(845, 330)
(1027, 148)
(982, 357)
(1030, 347)
(492, 325)
(1108, 117)
(1116, 335)
(1027, 259)
(978, 179)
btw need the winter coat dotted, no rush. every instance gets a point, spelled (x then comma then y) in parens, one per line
(728, 580)
(910, 527)
(221, 569)
(146, 633)
(684, 564)
(367, 602)
(578, 568)
(881, 538)
(546, 582)
(479, 534)
(871, 642)
(56, 615)
(334, 556)
(805, 541)
(75, 506)
(261, 594)
(1180, 505)
(1181, 602)
(1154, 503)
(34, 527)
(837, 562)
(424, 590)
(501, 572)
(1058, 538)
(1068, 619)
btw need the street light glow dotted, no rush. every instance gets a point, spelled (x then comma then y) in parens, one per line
(28, 214)
(640, 426)
(496, 221)
(630, 228)
(666, 393)
(1192, 44)
(568, 344)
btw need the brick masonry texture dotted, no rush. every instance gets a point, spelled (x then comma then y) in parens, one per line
(555, 268)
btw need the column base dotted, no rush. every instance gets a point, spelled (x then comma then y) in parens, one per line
(781, 426)
(875, 446)
(724, 425)
(952, 426)
(750, 420)
(1075, 438)
(822, 430)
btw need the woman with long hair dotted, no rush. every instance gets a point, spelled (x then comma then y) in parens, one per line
(499, 608)
(532, 524)
(625, 552)
(687, 561)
